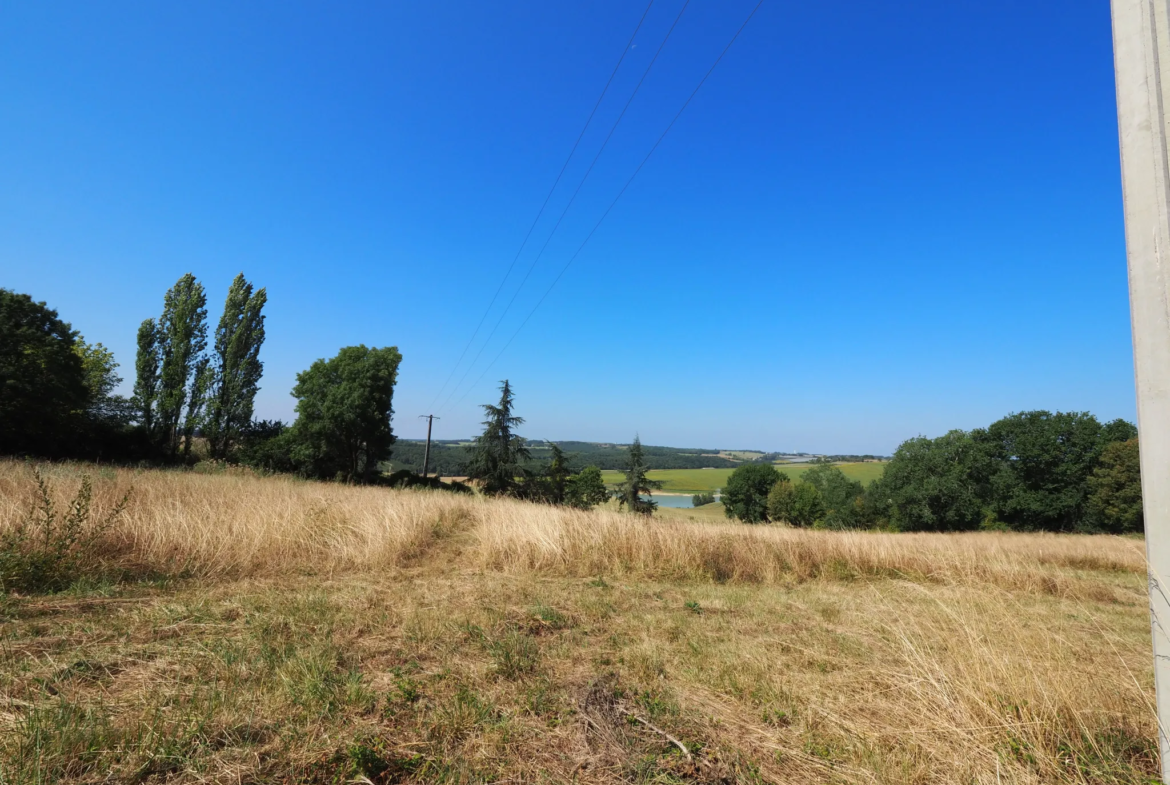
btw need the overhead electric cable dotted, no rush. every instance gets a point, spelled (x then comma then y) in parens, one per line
(547, 197)
(572, 199)
(614, 202)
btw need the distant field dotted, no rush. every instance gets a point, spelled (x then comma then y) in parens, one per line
(740, 455)
(696, 480)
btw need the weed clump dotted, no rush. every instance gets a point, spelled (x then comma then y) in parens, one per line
(48, 550)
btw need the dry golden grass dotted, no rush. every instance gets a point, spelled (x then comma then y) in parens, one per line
(317, 632)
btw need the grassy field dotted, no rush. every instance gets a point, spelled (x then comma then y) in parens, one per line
(697, 480)
(242, 630)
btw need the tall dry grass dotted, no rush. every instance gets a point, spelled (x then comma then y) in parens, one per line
(237, 524)
(1004, 658)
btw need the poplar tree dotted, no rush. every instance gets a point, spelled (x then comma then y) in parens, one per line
(183, 339)
(146, 381)
(499, 452)
(236, 369)
(629, 493)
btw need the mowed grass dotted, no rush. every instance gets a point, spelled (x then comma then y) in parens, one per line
(276, 631)
(700, 480)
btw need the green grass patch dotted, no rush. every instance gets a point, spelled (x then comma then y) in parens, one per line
(698, 480)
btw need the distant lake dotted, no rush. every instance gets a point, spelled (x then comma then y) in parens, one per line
(664, 500)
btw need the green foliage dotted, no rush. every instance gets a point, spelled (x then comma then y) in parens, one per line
(1036, 466)
(636, 483)
(1027, 471)
(586, 489)
(237, 367)
(1115, 488)
(551, 485)
(43, 392)
(101, 378)
(930, 484)
(841, 496)
(182, 333)
(267, 445)
(499, 452)
(557, 484)
(47, 550)
(799, 504)
(343, 414)
(701, 499)
(746, 494)
(147, 381)
(1118, 431)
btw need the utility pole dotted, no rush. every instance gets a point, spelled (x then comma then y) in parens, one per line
(1141, 65)
(430, 418)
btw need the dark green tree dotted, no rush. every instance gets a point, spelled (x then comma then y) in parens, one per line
(746, 494)
(842, 497)
(798, 504)
(930, 484)
(183, 339)
(196, 400)
(702, 499)
(499, 453)
(1118, 431)
(101, 379)
(1115, 489)
(147, 382)
(344, 408)
(557, 475)
(629, 492)
(585, 490)
(43, 391)
(1034, 467)
(236, 367)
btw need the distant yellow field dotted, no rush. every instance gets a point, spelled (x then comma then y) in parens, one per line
(697, 480)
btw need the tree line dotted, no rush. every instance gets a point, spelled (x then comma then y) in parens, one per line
(1030, 471)
(190, 386)
(194, 393)
(451, 458)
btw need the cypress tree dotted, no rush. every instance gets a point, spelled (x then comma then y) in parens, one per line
(498, 452)
(629, 493)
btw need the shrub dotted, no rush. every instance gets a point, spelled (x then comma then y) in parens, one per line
(586, 489)
(47, 551)
(843, 498)
(700, 499)
(799, 504)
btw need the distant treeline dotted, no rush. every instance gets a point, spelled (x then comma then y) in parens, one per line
(772, 457)
(451, 458)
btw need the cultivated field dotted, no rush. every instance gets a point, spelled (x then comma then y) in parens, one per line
(271, 630)
(697, 480)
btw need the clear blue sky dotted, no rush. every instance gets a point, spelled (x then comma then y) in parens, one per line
(876, 220)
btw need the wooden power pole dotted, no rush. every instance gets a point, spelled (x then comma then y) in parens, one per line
(430, 418)
(1141, 65)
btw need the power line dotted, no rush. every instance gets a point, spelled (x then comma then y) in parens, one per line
(572, 199)
(544, 204)
(614, 202)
